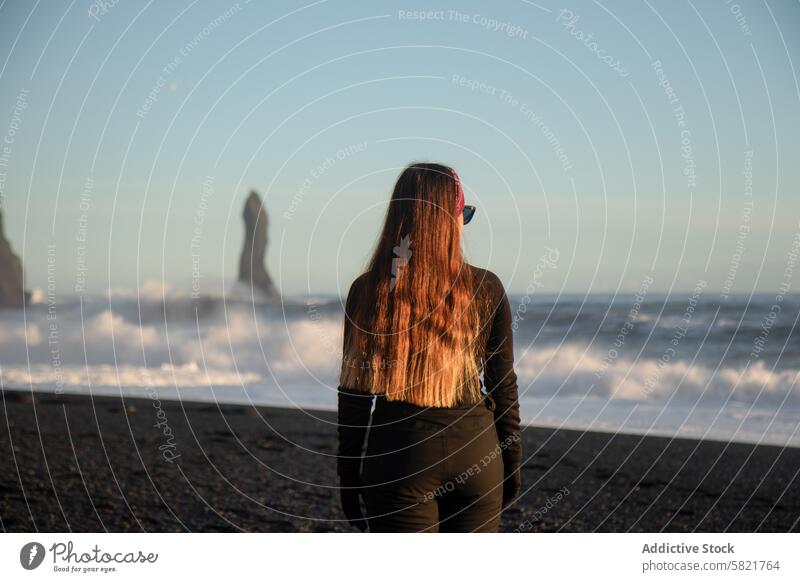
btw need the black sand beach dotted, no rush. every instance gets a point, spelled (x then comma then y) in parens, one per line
(74, 463)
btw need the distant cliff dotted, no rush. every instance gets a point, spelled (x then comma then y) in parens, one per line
(12, 289)
(252, 267)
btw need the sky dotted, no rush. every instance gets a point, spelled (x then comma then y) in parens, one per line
(604, 144)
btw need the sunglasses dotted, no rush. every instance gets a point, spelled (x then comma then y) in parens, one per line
(468, 212)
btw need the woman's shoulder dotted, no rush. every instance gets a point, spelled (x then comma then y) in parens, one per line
(487, 279)
(354, 291)
(359, 280)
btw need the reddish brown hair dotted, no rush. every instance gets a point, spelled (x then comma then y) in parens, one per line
(413, 319)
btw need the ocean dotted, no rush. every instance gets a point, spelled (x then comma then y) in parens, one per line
(691, 364)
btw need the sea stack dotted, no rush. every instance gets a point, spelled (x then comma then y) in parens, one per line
(252, 269)
(12, 290)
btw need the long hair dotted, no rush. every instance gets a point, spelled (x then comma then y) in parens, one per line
(413, 319)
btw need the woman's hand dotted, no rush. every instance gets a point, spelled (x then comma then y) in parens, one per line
(511, 487)
(350, 496)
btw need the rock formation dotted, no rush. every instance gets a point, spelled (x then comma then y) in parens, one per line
(12, 290)
(252, 269)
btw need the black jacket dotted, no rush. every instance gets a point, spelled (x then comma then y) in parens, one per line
(499, 381)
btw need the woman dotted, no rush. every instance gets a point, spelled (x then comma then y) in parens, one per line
(421, 324)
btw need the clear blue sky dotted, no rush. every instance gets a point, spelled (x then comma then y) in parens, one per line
(562, 139)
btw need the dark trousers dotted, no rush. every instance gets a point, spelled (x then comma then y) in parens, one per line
(432, 469)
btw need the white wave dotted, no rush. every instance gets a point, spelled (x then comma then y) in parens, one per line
(260, 347)
(243, 345)
(574, 369)
(105, 376)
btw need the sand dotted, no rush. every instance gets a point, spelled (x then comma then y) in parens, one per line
(82, 464)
